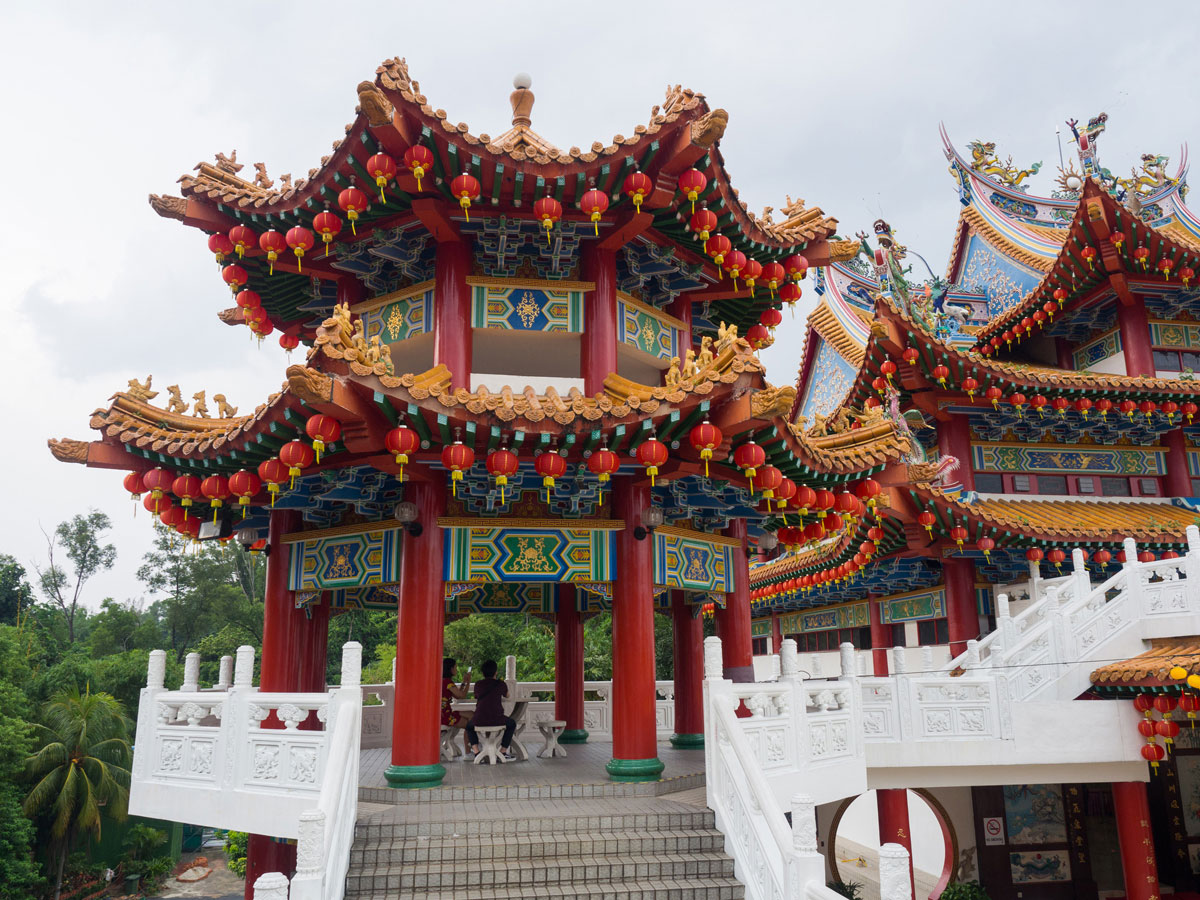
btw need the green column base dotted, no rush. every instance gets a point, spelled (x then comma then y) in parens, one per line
(415, 776)
(687, 741)
(573, 736)
(634, 769)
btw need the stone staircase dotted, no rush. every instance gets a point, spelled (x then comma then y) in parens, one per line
(581, 843)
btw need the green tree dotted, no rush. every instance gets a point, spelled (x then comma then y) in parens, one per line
(80, 540)
(81, 767)
(119, 627)
(16, 596)
(19, 872)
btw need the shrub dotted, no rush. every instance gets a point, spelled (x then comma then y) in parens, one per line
(965, 890)
(235, 852)
(850, 889)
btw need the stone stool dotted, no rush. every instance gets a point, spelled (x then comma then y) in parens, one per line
(489, 744)
(550, 730)
(450, 748)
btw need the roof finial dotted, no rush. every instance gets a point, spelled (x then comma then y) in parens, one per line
(521, 99)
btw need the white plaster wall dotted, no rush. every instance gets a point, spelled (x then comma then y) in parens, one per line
(1114, 365)
(860, 824)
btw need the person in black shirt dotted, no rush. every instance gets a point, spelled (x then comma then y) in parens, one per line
(489, 709)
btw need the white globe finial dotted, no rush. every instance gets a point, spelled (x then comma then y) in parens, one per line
(522, 81)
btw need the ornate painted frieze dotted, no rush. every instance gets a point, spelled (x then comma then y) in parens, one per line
(832, 375)
(400, 316)
(1003, 280)
(1004, 457)
(527, 305)
(648, 329)
(514, 597)
(1177, 335)
(693, 561)
(929, 604)
(848, 615)
(540, 553)
(1098, 350)
(354, 560)
(760, 628)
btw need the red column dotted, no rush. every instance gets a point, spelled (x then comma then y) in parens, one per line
(893, 823)
(568, 666)
(954, 439)
(416, 734)
(1065, 354)
(733, 622)
(278, 671)
(1135, 337)
(598, 356)
(681, 308)
(962, 615)
(689, 673)
(881, 637)
(776, 634)
(1178, 482)
(312, 655)
(452, 311)
(635, 747)
(1136, 840)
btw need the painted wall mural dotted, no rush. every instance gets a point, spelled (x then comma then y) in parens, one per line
(402, 318)
(345, 561)
(527, 307)
(1003, 457)
(534, 554)
(1094, 352)
(1002, 280)
(913, 607)
(1034, 814)
(1040, 866)
(851, 615)
(647, 329)
(692, 562)
(832, 376)
(462, 599)
(1178, 335)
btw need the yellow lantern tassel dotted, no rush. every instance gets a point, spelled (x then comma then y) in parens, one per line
(353, 217)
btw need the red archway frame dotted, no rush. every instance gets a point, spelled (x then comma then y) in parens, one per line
(949, 839)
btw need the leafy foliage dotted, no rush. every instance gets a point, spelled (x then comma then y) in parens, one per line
(236, 843)
(16, 596)
(850, 889)
(79, 540)
(965, 890)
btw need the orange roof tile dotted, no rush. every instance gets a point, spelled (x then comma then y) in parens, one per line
(1154, 664)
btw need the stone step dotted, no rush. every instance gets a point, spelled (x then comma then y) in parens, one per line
(444, 794)
(502, 874)
(715, 888)
(459, 851)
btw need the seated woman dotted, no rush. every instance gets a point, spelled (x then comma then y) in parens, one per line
(489, 709)
(450, 693)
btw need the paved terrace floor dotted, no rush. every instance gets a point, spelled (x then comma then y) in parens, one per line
(580, 774)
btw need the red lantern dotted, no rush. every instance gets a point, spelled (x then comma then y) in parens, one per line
(1018, 401)
(751, 272)
(1102, 557)
(548, 211)
(418, 159)
(735, 261)
(941, 373)
(705, 437)
(994, 394)
(172, 517)
(595, 202)
(814, 533)
(692, 183)
(970, 385)
(1038, 402)
(927, 520)
(1165, 704)
(716, 247)
(502, 464)
(1189, 409)
(274, 473)
(1104, 405)
(758, 336)
(400, 442)
(1141, 254)
(1062, 404)
(1170, 554)
(790, 293)
(220, 246)
(910, 355)
(248, 300)
(879, 384)
(156, 507)
(187, 489)
(772, 274)
(327, 225)
(353, 203)
(1082, 405)
(242, 239)
(297, 456)
(986, 544)
(244, 485)
(1056, 556)
(748, 457)
(703, 222)
(272, 243)
(769, 479)
(1147, 407)
(323, 430)
(603, 463)
(216, 489)
(824, 502)
(1034, 555)
(652, 454)
(299, 239)
(289, 342)
(466, 188)
(888, 368)
(1039, 317)
(1168, 730)
(867, 548)
(1170, 407)
(637, 187)
(458, 457)
(796, 266)
(1089, 253)
(771, 318)
(1187, 273)
(1117, 238)
(785, 492)
(235, 277)
(550, 466)
(1144, 704)
(133, 484)
(1190, 704)
(1146, 557)
(1154, 754)
(806, 499)
(1007, 337)
(1165, 265)
(382, 168)
(868, 490)
(1060, 294)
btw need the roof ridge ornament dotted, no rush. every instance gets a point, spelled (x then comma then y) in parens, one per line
(522, 99)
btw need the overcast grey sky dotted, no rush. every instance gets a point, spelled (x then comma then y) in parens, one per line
(836, 103)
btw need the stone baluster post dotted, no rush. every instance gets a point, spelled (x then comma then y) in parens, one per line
(846, 658)
(310, 845)
(927, 658)
(713, 665)
(352, 664)
(156, 671)
(1191, 566)
(191, 673)
(1081, 580)
(1133, 577)
(789, 661)
(243, 670)
(899, 661)
(271, 886)
(225, 674)
(816, 665)
(972, 656)
(895, 883)
(810, 865)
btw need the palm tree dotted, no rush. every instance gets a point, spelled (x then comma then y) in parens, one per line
(82, 766)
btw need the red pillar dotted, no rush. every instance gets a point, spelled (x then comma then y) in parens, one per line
(1135, 337)
(568, 666)
(681, 308)
(278, 671)
(416, 734)
(954, 439)
(452, 311)
(313, 654)
(598, 355)
(1178, 482)
(635, 737)
(776, 634)
(689, 673)
(1065, 354)
(881, 637)
(1136, 840)
(893, 823)
(733, 622)
(962, 615)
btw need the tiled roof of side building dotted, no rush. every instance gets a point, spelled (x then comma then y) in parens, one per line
(1154, 665)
